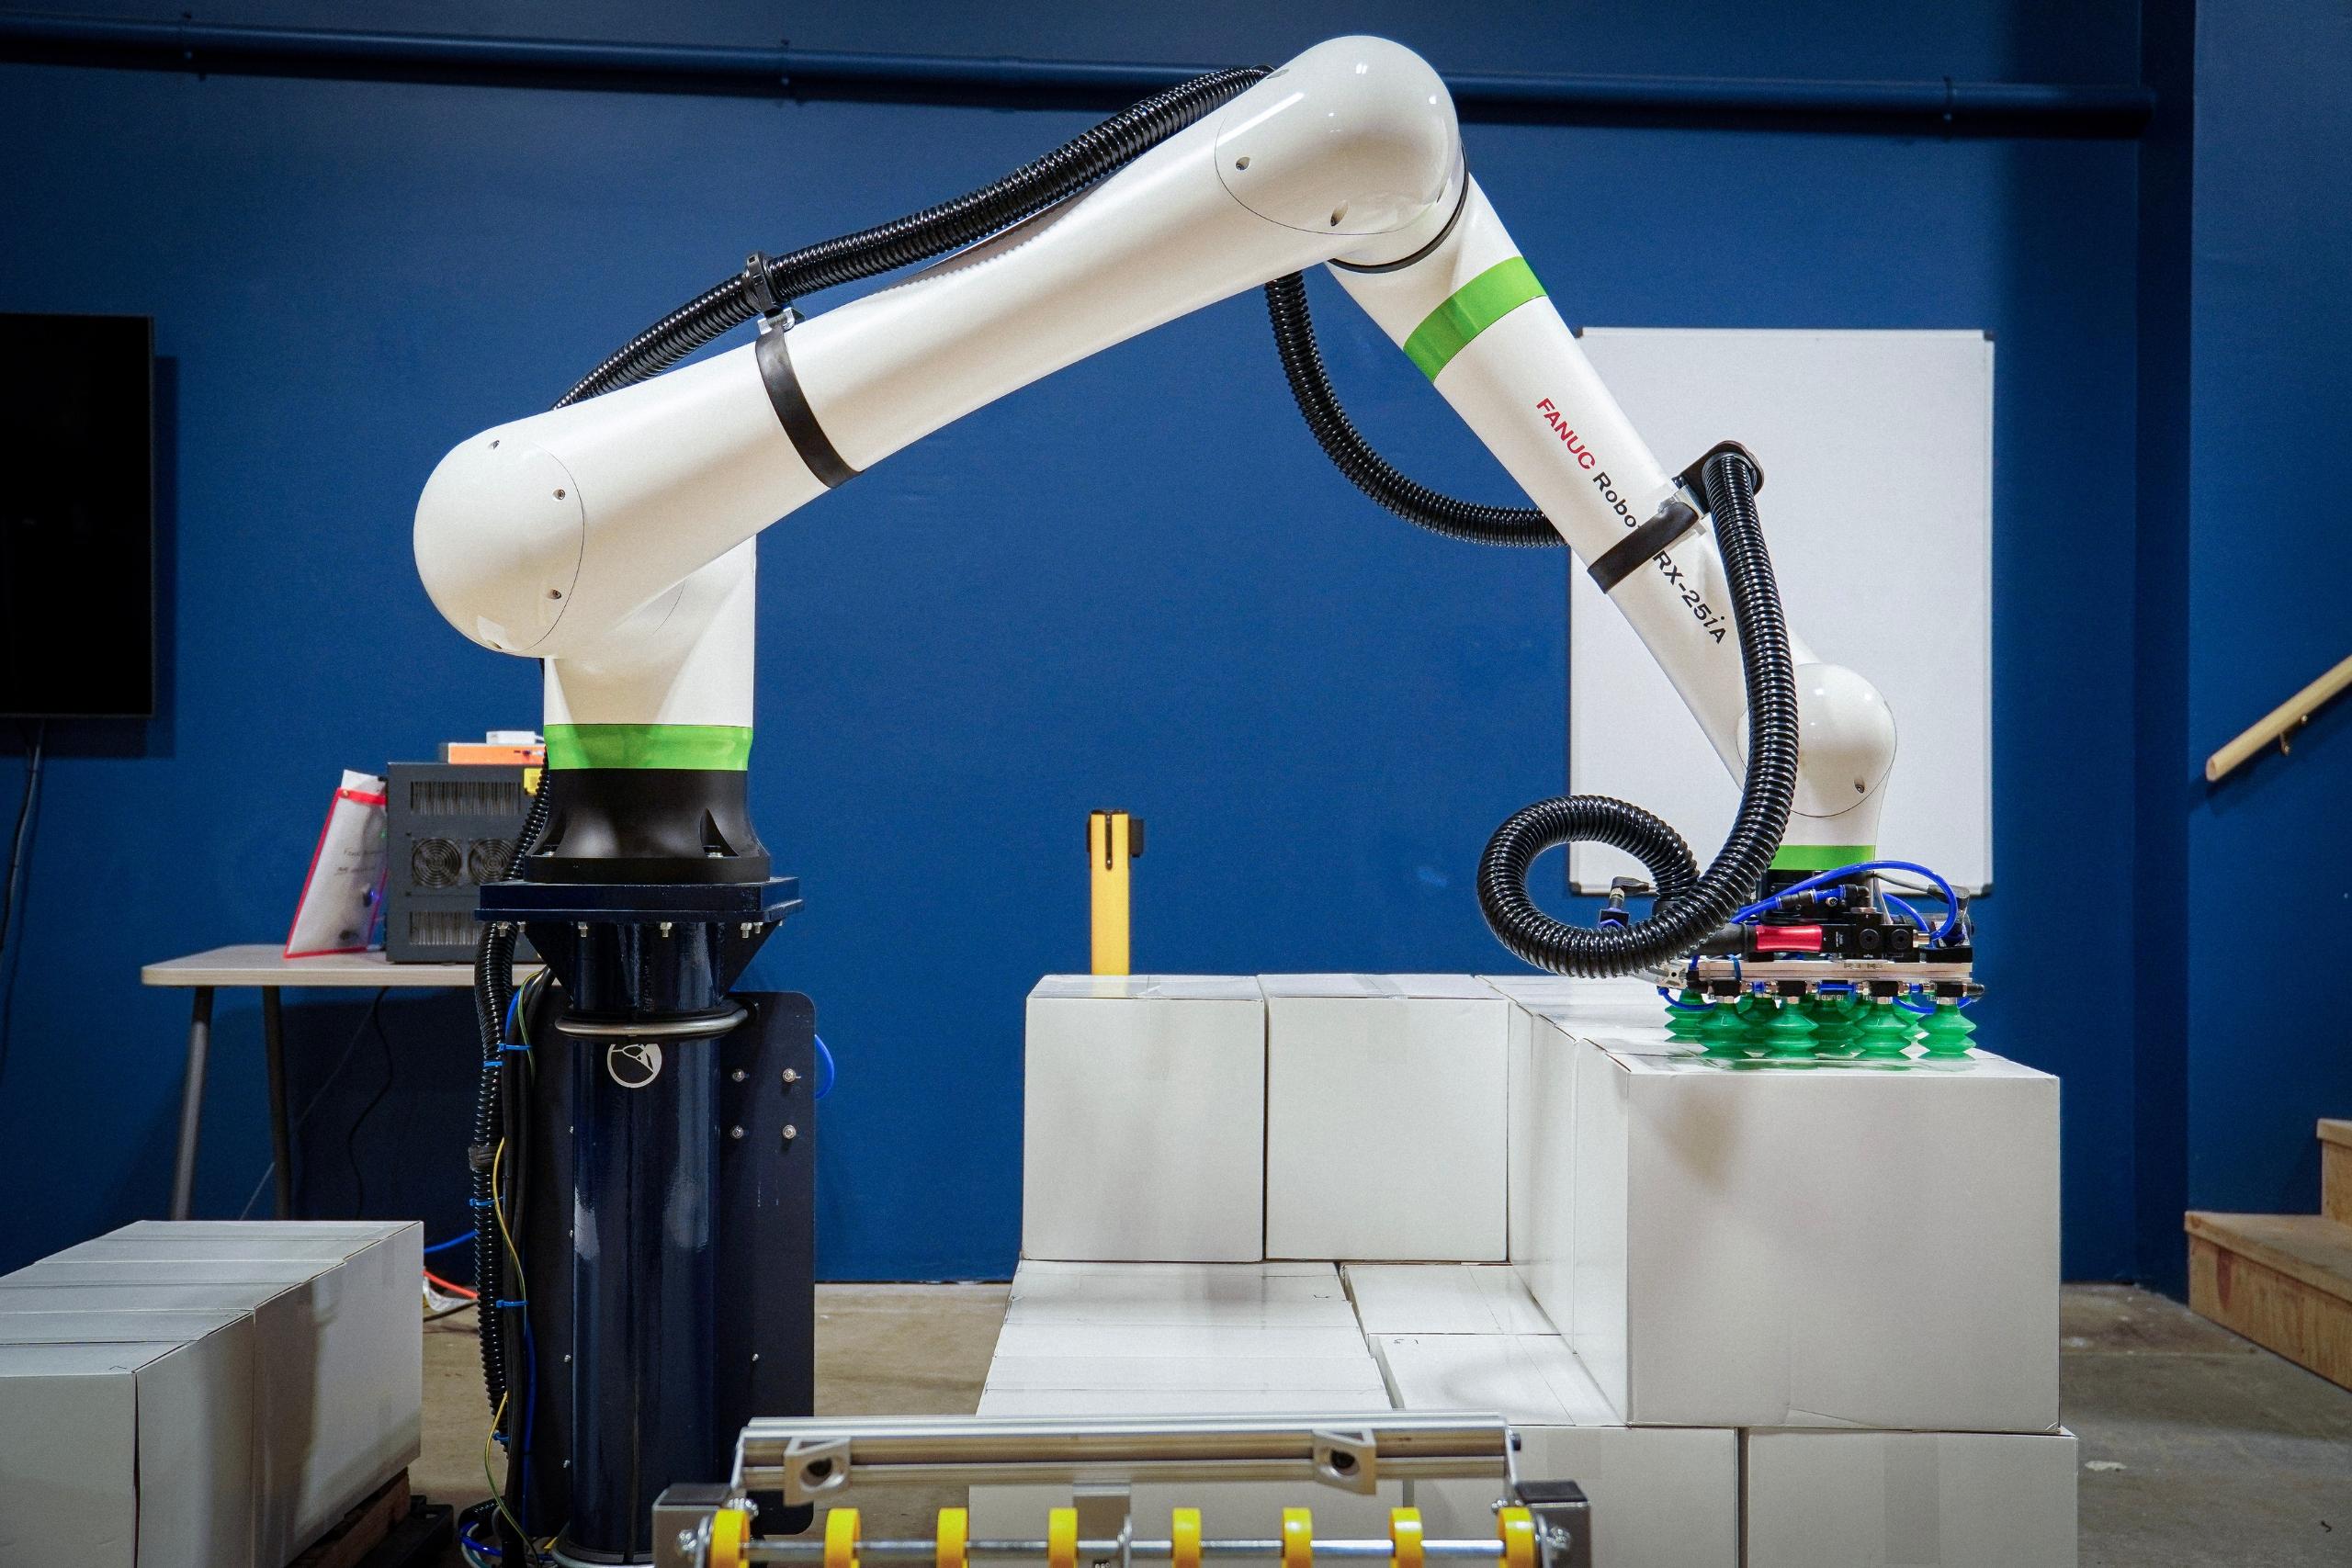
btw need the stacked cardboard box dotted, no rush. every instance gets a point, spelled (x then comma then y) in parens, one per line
(1854, 1262)
(210, 1394)
(1470, 1338)
(1817, 1297)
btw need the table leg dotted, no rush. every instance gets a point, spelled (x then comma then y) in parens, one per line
(281, 1139)
(199, 1046)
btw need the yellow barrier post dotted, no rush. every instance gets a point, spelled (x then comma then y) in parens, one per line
(1113, 839)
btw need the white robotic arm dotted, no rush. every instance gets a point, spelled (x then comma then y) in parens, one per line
(613, 539)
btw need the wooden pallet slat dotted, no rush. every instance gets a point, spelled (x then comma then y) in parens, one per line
(361, 1530)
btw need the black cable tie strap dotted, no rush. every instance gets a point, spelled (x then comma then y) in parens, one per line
(792, 412)
(1659, 534)
(1694, 477)
(759, 288)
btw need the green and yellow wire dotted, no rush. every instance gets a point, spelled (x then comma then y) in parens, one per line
(490, 1440)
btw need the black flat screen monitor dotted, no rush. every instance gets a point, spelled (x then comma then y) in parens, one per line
(77, 517)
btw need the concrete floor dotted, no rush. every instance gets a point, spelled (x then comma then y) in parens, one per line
(881, 1350)
(2197, 1447)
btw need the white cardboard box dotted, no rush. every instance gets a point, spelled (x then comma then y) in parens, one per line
(1183, 1339)
(1627, 1009)
(1818, 1499)
(1836, 1244)
(336, 1370)
(1179, 1338)
(1385, 1117)
(1142, 1119)
(126, 1439)
(1662, 1496)
(1285, 1295)
(1443, 1298)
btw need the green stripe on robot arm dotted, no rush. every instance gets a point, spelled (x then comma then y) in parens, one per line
(1821, 857)
(714, 748)
(1469, 310)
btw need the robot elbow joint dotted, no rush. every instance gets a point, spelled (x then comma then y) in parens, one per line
(1355, 137)
(499, 531)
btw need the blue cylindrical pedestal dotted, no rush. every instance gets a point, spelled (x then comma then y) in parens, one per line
(645, 1203)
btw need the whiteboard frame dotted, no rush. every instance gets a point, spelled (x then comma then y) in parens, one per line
(1587, 869)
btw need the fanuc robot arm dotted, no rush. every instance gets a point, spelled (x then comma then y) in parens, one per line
(612, 538)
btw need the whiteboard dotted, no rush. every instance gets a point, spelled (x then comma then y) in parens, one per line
(1877, 450)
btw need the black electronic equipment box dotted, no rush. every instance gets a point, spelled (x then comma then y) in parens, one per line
(451, 825)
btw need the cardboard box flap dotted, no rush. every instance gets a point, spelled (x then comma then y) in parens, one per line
(81, 1358)
(1529, 1378)
(1221, 1294)
(1364, 987)
(225, 1240)
(113, 1327)
(1564, 990)
(1443, 1298)
(1159, 987)
(150, 1295)
(177, 1270)
(1238, 1341)
(1642, 1058)
(1371, 1403)
(359, 1231)
(1312, 1376)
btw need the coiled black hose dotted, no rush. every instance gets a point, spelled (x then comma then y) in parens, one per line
(1365, 468)
(1686, 916)
(918, 236)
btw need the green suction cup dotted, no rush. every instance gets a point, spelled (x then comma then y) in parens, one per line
(1833, 1022)
(1884, 1033)
(1723, 1032)
(1945, 1031)
(1682, 1023)
(1790, 1033)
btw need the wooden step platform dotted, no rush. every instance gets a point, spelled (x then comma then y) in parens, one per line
(2283, 1280)
(2335, 1170)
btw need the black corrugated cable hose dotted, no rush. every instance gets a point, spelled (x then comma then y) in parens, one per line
(1023, 193)
(1474, 521)
(919, 236)
(488, 1117)
(1680, 919)
(493, 986)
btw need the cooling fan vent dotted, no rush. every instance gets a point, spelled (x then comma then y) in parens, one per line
(435, 863)
(486, 859)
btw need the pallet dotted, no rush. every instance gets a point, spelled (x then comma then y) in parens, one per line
(392, 1528)
(2282, 1281)
(358, 1532)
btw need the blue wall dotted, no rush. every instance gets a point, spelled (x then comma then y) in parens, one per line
(1136, 585)
(2268, 852)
